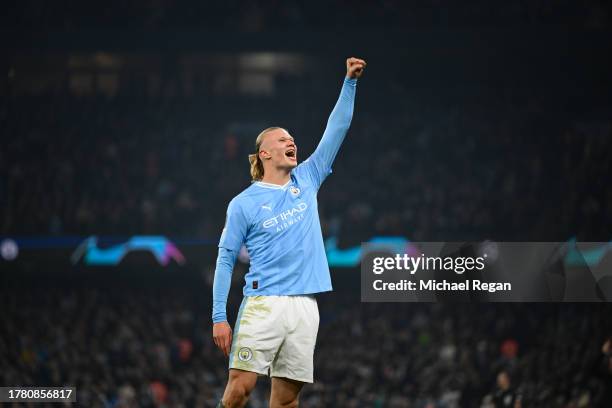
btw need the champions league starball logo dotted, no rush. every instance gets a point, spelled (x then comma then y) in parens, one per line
(160, 247)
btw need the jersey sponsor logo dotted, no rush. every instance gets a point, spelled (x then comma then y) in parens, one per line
(286, 217)
(266, 207)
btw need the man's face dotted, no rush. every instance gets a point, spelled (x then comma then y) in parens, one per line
(503, 381)
(279, 149)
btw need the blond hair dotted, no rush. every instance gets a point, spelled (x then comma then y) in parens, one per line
(257, 168)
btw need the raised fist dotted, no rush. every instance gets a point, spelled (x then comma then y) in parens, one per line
(355, 67)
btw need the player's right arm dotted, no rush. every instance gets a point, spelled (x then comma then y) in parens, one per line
(232, 238)
(318, 165)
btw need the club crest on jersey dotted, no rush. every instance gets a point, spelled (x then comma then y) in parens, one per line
(294, 191)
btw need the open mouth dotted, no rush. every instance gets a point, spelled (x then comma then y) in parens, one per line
(290, 153)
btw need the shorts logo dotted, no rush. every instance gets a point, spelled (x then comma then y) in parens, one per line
(294, 191)
(245, 354)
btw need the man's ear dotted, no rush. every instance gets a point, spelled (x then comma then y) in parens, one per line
(264, 155)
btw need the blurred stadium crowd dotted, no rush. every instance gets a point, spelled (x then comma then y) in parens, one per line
(497, 164)
(152, 348)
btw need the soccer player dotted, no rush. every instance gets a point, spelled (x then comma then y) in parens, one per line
(276, 218)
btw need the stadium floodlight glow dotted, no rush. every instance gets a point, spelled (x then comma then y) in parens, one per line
(9, 250)
(160, 247)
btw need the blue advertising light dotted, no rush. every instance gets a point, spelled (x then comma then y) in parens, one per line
(160, 247)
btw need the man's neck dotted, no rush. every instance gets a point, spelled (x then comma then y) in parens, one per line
(279, 177)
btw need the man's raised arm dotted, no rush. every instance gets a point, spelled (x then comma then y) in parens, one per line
(338, 123)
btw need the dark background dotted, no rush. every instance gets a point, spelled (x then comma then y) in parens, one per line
(474, 120)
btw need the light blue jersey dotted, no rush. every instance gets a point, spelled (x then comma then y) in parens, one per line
(279, 225)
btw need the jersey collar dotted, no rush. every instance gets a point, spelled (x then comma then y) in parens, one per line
(272, 186)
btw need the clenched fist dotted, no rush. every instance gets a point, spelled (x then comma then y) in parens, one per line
(355, 67)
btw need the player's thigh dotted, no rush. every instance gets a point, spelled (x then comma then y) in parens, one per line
(285, 392)
(240, 380)
(295, 357)
(258, 335)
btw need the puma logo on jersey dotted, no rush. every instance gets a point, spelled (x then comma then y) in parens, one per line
(266, 207)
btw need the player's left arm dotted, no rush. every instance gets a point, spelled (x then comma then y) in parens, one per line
(338, 123)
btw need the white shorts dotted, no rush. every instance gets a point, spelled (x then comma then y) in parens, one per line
(276, 336)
